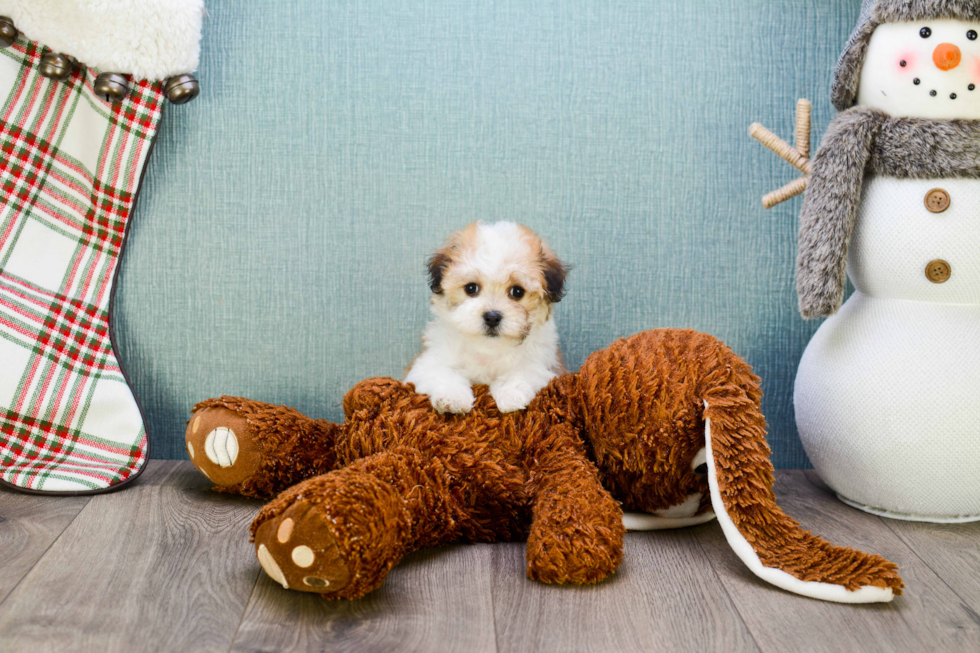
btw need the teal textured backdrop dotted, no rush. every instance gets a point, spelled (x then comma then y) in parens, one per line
(277, 250)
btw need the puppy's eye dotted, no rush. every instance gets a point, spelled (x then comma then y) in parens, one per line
(925, 32)
(472, 289)
(517, 293)
(972, 35)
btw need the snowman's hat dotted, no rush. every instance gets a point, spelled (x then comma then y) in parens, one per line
(876, 12)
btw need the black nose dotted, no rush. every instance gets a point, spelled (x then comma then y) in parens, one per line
(492, 319)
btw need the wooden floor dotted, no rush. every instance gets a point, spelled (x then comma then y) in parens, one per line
(166, 565)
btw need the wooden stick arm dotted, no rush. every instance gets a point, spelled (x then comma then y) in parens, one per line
(784, 150)
(789, 191)
(803, 127)
(798, 156)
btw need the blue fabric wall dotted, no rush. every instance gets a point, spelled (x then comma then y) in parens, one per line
(277, 251)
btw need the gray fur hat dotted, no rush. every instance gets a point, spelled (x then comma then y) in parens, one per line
(876, 12)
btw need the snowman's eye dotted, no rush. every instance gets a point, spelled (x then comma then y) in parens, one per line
(925, 32)
(972, 35)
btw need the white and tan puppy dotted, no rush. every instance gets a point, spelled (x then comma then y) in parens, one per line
(494, 287)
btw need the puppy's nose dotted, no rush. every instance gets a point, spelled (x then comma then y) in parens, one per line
(493, 319)
(947, 56)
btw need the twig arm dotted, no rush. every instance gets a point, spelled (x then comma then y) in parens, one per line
(798, 156)
(784, 150)
(787, 192)
(803, 127)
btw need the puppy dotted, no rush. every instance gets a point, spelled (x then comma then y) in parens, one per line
(493, 290)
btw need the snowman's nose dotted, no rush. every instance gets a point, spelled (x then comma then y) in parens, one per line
(947, 56)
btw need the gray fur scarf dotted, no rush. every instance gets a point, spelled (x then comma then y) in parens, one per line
(859, 142)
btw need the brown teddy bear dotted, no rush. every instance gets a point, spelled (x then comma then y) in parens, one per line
(665, 422)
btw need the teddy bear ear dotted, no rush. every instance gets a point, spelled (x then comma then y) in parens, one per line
(437, 267)
(554, 272)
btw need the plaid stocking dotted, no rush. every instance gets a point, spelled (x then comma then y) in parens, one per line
(70, 168)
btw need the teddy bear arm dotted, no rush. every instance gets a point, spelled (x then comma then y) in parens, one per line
(257, 449)
(576, 533)
(370, 397)
(340, 534)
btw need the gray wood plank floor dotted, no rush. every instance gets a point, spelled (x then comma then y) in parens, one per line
(166, 566)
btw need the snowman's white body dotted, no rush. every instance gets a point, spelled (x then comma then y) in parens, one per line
(888, 391)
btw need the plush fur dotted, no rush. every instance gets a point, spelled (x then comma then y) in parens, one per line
(876, 12)
(910, 148)
(829, 209)
(858, 142)
(148, 39)
(493, 290)
(629, 427)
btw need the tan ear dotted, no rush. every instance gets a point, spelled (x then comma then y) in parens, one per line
(554, 272)
(437, 267)
(457, 242)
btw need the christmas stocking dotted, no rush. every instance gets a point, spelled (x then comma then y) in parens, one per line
(82, 88)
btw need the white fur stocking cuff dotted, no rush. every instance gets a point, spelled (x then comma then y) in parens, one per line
(148, 39)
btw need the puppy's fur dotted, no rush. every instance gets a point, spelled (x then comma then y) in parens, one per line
(493, 291)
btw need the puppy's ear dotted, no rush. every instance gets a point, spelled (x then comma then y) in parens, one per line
(437, 267)
(554, 272)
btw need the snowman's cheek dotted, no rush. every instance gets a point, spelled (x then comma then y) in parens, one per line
(975, 71)
(906, 62)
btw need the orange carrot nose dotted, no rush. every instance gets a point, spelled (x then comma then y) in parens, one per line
(947, 56)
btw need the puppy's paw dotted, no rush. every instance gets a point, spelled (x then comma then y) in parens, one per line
(512, 396)
(455, 400)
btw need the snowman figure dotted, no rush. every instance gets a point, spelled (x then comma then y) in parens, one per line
(888, 391)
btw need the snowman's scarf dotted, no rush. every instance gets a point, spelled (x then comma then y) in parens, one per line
(859, 142)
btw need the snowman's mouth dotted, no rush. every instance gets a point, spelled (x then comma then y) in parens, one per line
(952, 95)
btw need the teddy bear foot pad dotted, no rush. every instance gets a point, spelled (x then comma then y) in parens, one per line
(219, 445)
(298, 550)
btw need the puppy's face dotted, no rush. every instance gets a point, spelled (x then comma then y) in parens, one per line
(495, 281)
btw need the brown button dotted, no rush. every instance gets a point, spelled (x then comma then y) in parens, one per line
(938, 271)
(937, 200)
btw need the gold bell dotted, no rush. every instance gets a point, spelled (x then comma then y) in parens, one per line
(181, 89)
(55, 66)
(8, 33)
(111, 87)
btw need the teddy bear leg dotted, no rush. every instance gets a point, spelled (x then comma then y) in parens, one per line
(576, 533)
(258, 449)
(341, 533)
